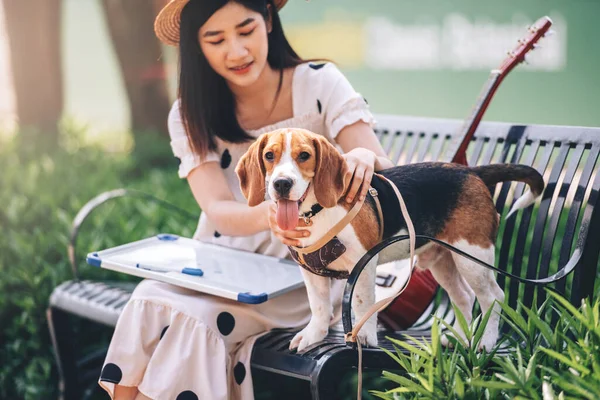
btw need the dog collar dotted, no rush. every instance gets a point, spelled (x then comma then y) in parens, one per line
(314, 210)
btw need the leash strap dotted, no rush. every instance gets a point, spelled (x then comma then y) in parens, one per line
(375, 195)
(381, 304)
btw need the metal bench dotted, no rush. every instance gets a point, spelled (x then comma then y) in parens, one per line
(563, 228)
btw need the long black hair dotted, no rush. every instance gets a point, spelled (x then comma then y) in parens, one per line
(207, 105)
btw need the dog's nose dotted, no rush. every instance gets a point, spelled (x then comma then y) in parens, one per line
(282, 186)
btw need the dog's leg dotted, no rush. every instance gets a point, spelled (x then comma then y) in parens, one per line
(484, 284)
(444, 271)
(362, 299)
(318, 291)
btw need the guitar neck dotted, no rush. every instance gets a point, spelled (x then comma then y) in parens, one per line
(456, 151)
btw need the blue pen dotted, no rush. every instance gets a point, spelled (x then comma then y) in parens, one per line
(187, 271)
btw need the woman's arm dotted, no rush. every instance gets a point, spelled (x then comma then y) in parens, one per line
(364, 155)
(230, 217)
(361, 135)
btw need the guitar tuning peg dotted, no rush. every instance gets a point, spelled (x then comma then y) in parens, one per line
(526, 59)
(536, 46)
(551, 32)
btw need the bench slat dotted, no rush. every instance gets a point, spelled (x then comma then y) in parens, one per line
(401, 139)
(584, 277)
(558, 214)
(523, 228)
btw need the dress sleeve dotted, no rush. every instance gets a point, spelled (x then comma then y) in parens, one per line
(180, 145)
(344, 105)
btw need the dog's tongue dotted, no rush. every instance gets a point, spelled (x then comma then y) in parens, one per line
(287, 214)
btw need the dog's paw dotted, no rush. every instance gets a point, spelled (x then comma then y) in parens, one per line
(307, 336)
(446, 342)
(488, 341)
(445, 338)
(368, 336)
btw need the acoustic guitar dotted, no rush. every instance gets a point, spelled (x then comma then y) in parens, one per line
(404, 311)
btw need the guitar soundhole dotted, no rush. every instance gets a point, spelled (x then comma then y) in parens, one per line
(385, 280)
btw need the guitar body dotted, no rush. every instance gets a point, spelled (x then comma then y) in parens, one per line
(406, 309)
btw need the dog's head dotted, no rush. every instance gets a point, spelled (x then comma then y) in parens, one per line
(288, 163)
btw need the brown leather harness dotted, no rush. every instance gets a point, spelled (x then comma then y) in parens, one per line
(316, 257)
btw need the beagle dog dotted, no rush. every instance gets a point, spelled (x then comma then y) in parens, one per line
(307, 177)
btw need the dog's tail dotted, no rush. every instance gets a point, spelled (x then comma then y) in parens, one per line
(492, 174)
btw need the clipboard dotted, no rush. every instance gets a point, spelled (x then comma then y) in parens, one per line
(221, 271)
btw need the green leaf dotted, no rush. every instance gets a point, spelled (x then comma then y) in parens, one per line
(422, 342)
(411, 348)
(515, 328)
(425, 382)
(566, 361)
(481, 327)
(392, 355)
(455, 334)
(435, 338)
(547, 391)
(541, 325)
(381, 395)
(514, 317)
(406, 383)
(572, 310)
(506, 380)
(462, 322)
(402, 358)
(577, 389)
(459, 386)
(530, 367)
(491, 384)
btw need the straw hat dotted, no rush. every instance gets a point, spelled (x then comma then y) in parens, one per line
(166, 24)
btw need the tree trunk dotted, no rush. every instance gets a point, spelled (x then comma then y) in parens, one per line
(33, 28)
(130, 23)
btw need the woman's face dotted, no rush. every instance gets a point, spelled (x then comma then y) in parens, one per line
(234, 42)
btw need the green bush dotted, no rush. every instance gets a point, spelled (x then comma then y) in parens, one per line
(546, 360)
(41, 191)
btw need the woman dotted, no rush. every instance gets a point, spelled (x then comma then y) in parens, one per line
(239, 77)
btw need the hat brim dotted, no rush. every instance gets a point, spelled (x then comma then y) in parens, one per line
(166, 24)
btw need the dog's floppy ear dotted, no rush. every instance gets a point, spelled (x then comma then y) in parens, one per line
(330, 173)
(251, 172)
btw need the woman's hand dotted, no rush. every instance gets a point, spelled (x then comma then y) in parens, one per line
(361, 164)
(289, 238)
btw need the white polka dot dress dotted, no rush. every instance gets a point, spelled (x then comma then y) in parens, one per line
(177, 344)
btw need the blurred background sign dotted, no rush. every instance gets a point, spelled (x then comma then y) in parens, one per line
(425, 58)
(431, 57)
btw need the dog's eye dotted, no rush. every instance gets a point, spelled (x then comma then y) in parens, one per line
(269, 156)
(304, 156)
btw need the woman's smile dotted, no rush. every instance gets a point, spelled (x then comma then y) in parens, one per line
(242, 69)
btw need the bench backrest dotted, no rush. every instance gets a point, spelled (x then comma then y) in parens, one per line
(564, 224)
